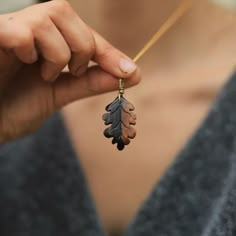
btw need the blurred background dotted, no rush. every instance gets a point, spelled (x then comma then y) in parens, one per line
(13, 5)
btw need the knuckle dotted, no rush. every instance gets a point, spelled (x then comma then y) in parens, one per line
(23, 38)
(40, 22)
(105, 52)
(91, 45)
(63, 58)
(87, 46)
(60, 6)
(87, 49)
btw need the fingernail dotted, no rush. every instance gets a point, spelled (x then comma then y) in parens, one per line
(127, 66)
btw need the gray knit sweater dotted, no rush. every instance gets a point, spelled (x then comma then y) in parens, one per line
(43, 191)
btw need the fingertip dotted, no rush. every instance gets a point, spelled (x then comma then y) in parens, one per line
(127, 66)
(49, 71)
(134, 79)
(34, 56)
(26, 56)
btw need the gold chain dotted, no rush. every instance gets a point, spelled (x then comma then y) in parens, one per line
(173, 18)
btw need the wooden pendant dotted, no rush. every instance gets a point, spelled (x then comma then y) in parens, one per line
(121, 118)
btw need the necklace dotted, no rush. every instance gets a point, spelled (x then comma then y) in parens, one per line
(120, 113)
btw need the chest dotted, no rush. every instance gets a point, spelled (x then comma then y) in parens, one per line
(167, 116)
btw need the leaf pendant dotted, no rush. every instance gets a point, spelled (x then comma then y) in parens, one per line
(121, 118)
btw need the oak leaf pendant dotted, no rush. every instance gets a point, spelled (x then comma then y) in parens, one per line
(121, 118)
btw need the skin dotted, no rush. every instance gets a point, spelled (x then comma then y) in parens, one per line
(37, 43)
(182, 75)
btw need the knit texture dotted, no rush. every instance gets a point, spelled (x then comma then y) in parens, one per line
(197, 194)
(43, 190)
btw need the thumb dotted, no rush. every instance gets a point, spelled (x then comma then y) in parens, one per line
(95, 81)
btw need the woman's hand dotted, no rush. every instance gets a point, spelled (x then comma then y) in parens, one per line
(35, 45)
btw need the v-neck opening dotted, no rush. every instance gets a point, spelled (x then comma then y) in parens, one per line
(157, 190)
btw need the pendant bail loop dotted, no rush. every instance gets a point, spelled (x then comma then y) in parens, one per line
(121, 87)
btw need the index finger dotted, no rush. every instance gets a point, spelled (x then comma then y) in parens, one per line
(88, 44)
